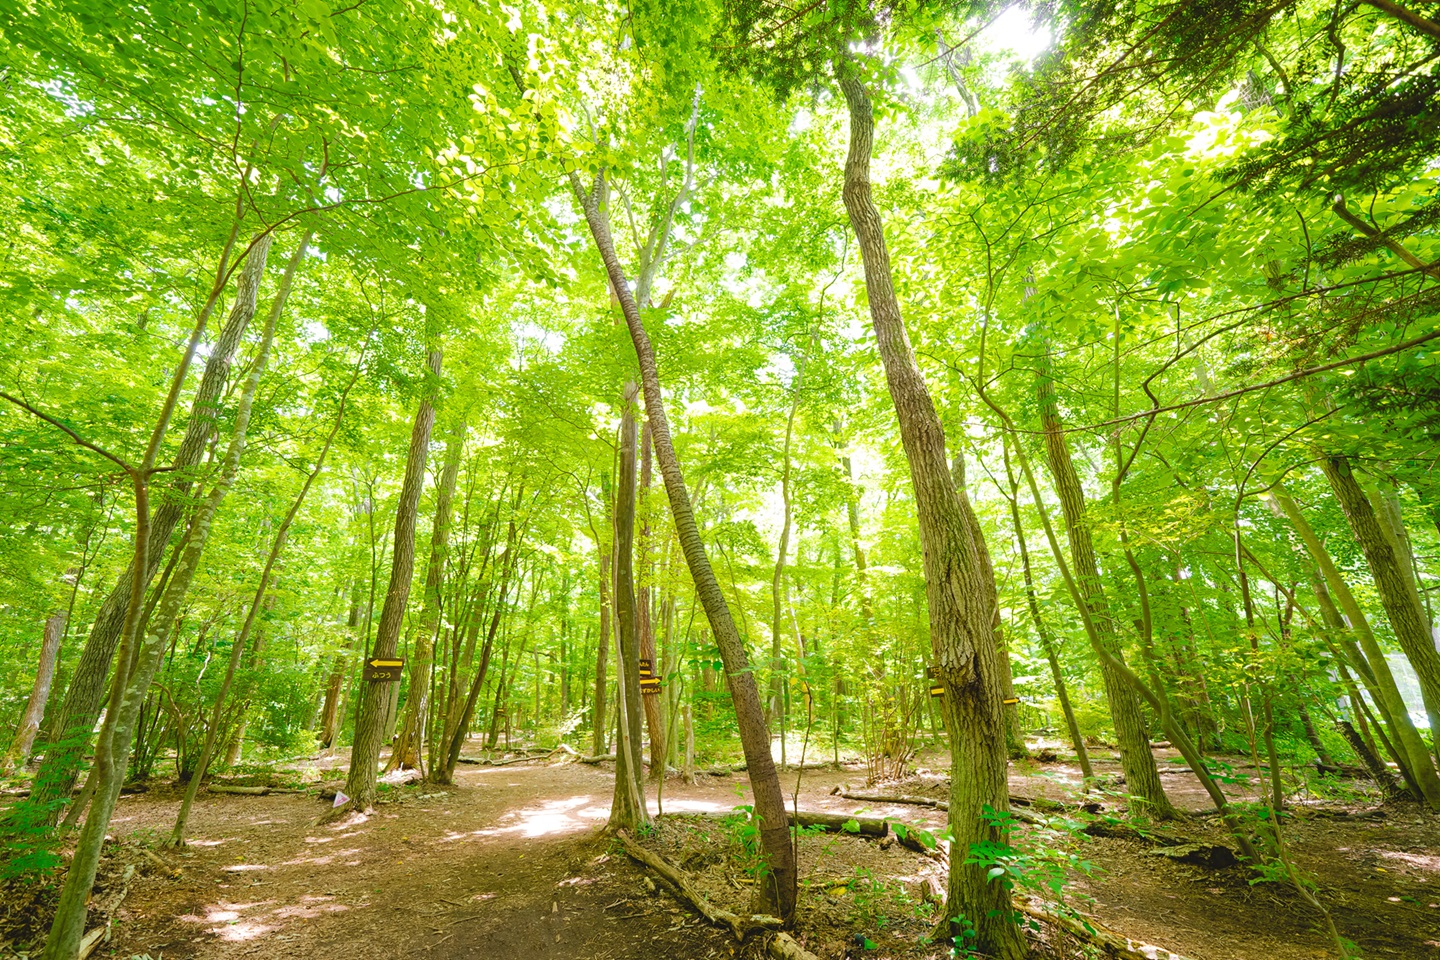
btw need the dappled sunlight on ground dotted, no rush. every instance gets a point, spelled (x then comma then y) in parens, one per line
(552, 817)
(239, 922)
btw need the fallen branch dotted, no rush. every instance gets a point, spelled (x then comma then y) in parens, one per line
(172, 872)
(248, 791)
(598, 758)
(876, 797)
(829, 822)
(742, 927)
(1089, 931)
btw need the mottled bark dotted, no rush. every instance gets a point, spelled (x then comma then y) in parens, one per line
(627, 808)
(19, 751)
(961, 631)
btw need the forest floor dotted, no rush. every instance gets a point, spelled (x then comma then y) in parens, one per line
(509, 863)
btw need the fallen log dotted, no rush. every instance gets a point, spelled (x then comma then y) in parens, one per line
(876, 797)
(598, 758)
(1087, 930)
(829, 822)
(248, 791)
(779, 944)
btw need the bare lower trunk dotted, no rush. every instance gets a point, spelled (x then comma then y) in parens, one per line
(410, 748)
(645, 621)
(777, 894)
(1142, 779)
(602, 656)
(19, 752)
(961, 627)
(375, 697)
(627, 808)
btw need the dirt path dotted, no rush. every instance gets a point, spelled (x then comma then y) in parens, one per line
(508, 864)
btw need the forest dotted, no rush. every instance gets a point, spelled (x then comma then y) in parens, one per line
(805, 479)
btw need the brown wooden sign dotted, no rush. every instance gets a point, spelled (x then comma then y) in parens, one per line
(382, 670)
(649, 683)
(937, 689)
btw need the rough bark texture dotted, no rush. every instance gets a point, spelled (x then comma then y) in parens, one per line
(777, 894)
(961, 631)
(1142, 779)
(411, 746)
(370, 721)
(627, 809)
(19, 751)
(76, 720)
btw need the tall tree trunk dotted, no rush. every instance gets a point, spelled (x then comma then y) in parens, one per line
(627, 809)
(19, 751)
(777, 894)
(1047, 642)
(777, 580)
(1142, 779)
(645, 620)
(1389, 701)
(75, 723)
(602, 656)
(330, 712)
(1014, 732)
(409, 749)
(369, 723)
(961, 632)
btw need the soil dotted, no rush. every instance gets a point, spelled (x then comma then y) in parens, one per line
(510, 862)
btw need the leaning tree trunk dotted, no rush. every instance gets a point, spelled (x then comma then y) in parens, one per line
(777, 894)
(29, 725)
(1142, 779)
(1378, 676)
(370, 721)
(961, 631)
(410, 748)
(75, 722)
(1047, 642)
(627, 809)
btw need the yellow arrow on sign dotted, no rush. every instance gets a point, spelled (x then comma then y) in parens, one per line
(387, 663)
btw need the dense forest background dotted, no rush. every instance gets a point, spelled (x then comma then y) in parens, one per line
(306, 323)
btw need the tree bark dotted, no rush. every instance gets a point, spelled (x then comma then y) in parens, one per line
(645, 619)
(19, 752)
(961, 631)
(627, 809)
(777, 894)
(602, 656)
(330, 712)
(1142, 779)
(369, 722)
(410, 748)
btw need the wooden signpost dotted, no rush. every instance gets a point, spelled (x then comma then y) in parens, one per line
(381, 670)
(649, 683)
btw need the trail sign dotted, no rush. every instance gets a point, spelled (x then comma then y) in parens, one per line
(382, 670)
(649, 683)
(937, 688)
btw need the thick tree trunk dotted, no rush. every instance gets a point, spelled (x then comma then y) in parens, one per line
(1376, 669)
(19, 752)
(961, 631)
(75, 722)
(410, 748)
(369, 722)
(1142, 779)
(627, 809)
(776, 896)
